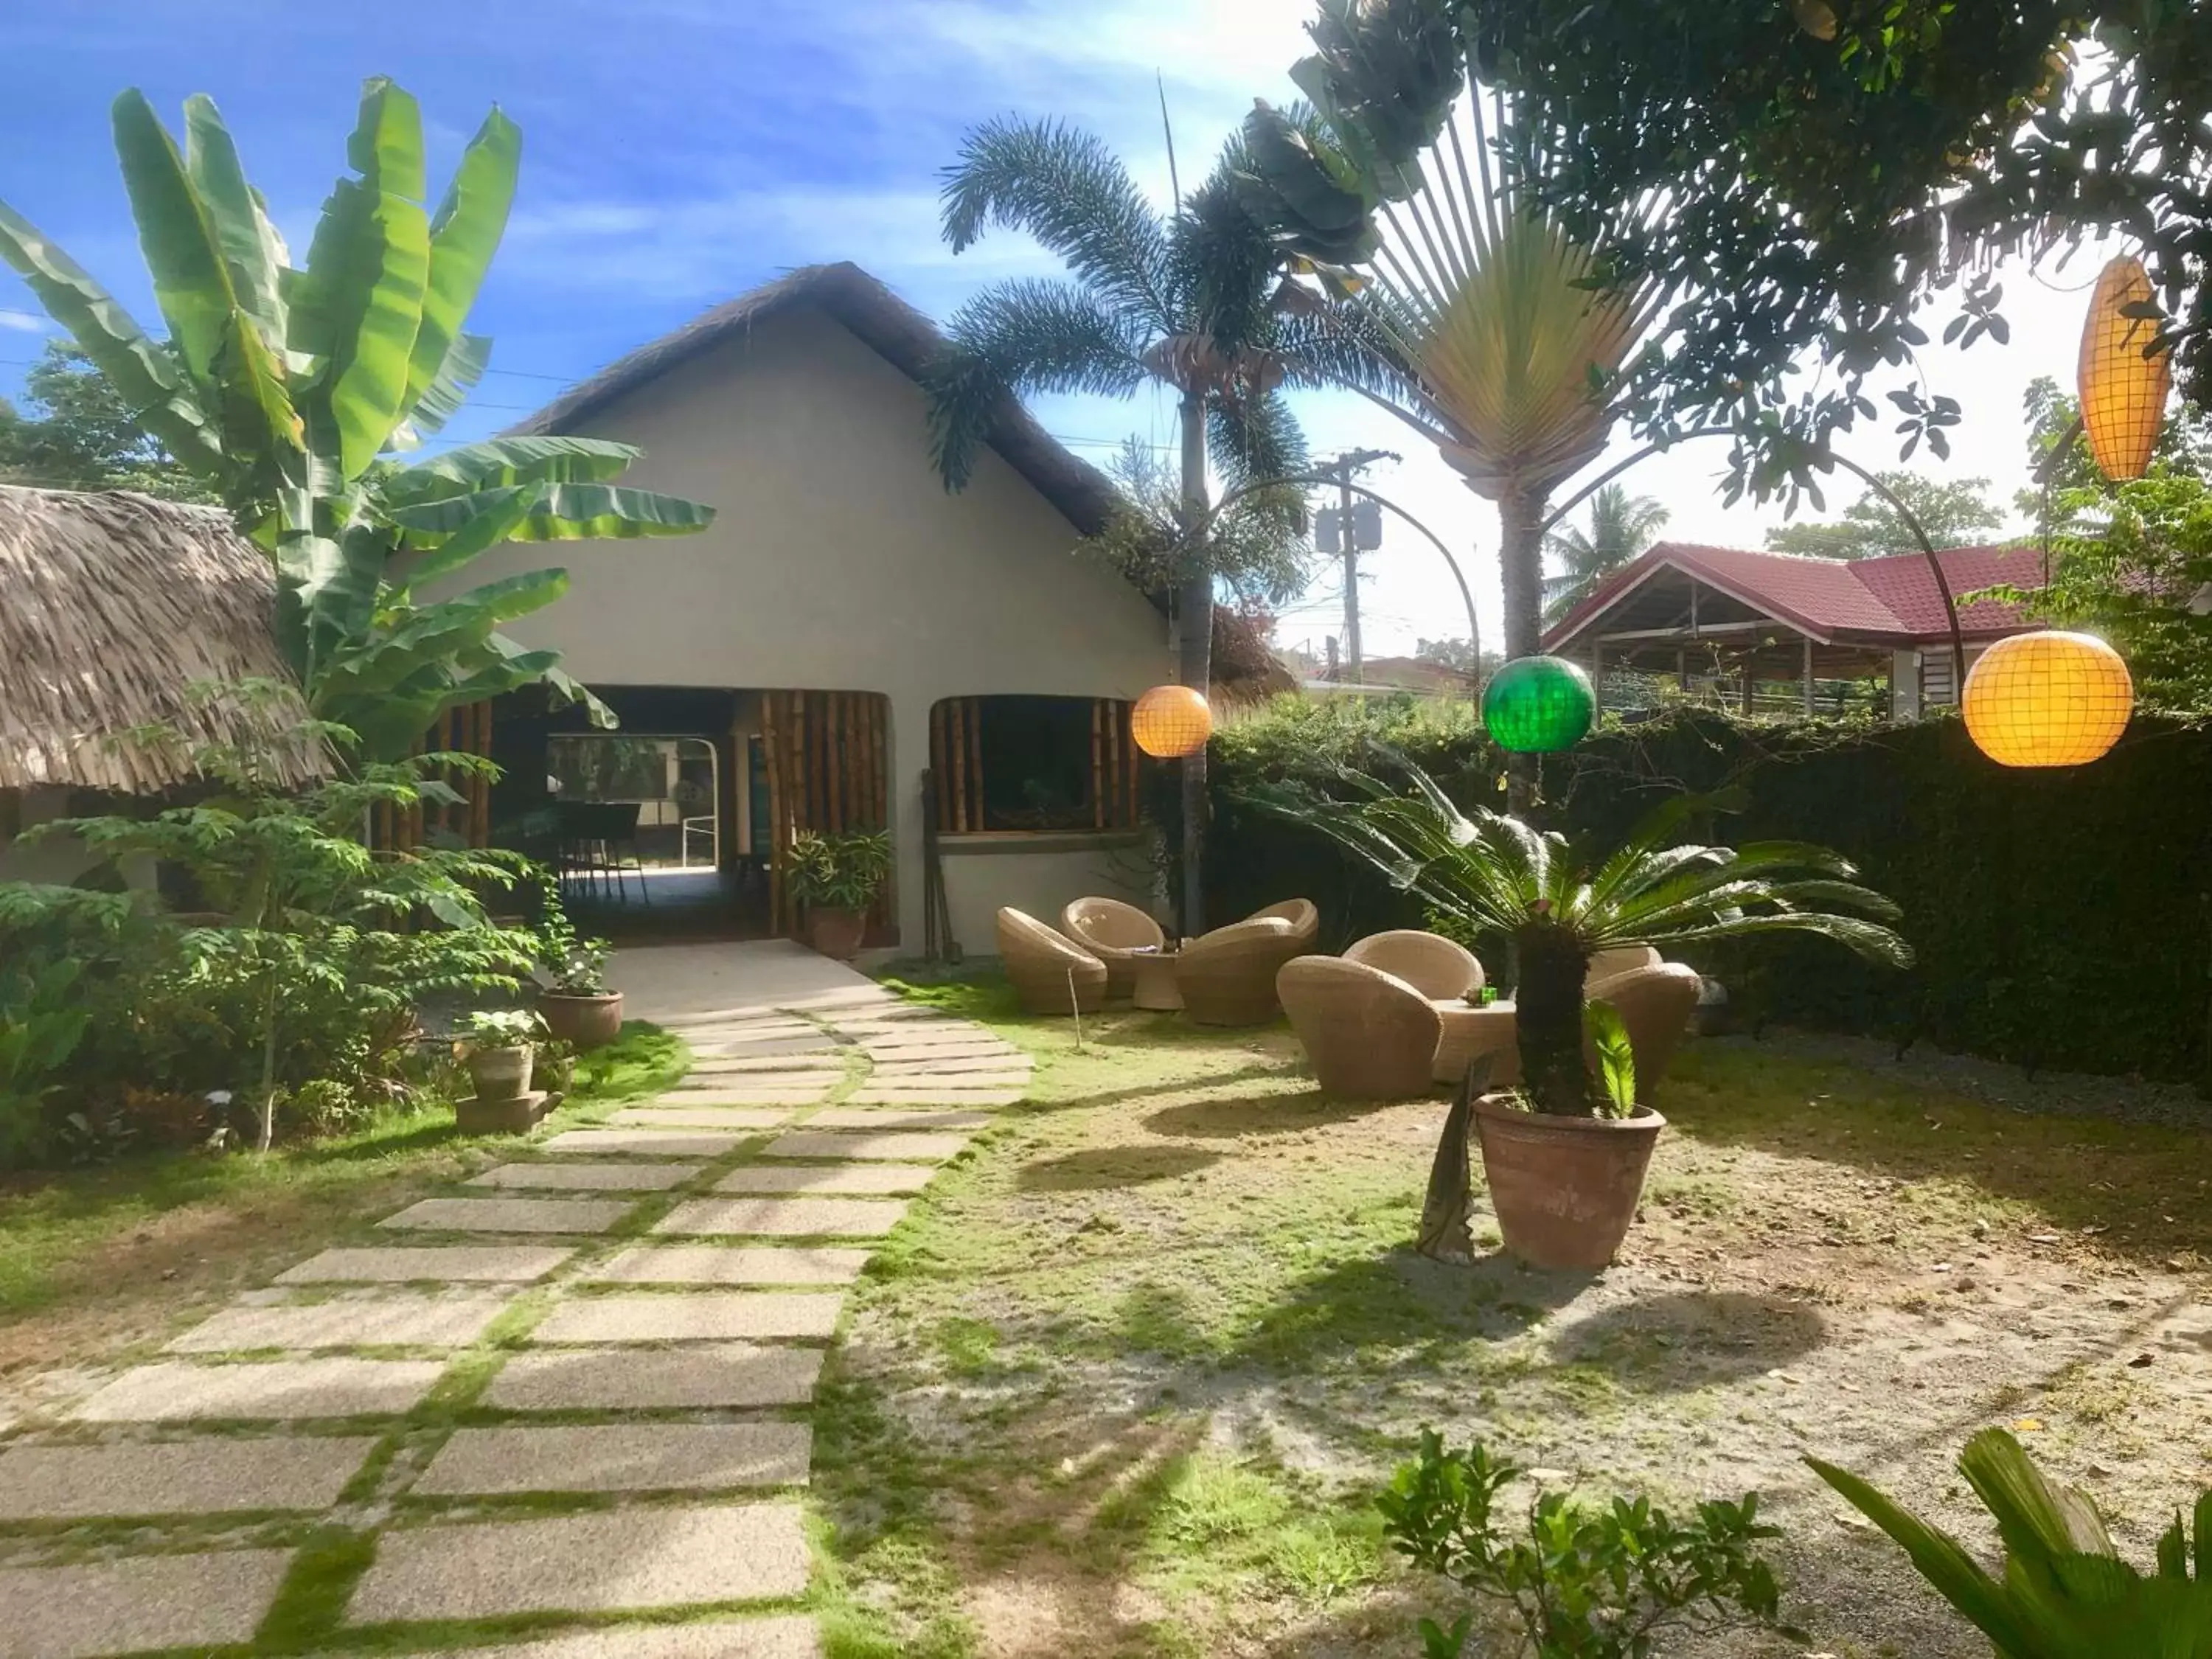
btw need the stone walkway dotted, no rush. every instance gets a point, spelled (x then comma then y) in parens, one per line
(579, 1385)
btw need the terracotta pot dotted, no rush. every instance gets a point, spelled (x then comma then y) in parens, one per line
(836, 934)
(1565, 1189)
(517, 1116)
(589, 1022)
(500, 1074)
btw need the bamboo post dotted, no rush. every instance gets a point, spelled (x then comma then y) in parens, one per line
(1129, 759)
(975, 755)
(771, 755)
(958, 741)
(937, 717)
(1097, 763)
(840, 762)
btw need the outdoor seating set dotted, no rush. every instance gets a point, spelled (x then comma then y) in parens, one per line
(1106, 949)
(1397, 1013)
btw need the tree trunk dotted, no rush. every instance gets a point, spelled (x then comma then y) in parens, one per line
(1548, 1004)
(1520, 572)
(1194, 605)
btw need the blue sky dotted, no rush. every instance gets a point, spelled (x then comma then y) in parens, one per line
(677, 152)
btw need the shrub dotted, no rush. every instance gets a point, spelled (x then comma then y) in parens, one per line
(1579, 1583)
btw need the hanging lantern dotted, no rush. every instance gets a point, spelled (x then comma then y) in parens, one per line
(1171, 721)
(2048, 699)
(1538, 705)
(2123, 392)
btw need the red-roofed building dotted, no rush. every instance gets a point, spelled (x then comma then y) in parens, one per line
(1735, 624)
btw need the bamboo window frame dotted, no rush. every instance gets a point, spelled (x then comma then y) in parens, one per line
(956, 756)
(825, 753)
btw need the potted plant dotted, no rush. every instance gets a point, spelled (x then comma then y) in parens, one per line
(554, 1068)
(1565, 1166)
(498, 1047)
(837, 878)
(578, 1006)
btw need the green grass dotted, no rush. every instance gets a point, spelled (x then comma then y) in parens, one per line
(73, 1234)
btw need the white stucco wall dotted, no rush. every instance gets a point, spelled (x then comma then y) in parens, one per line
(838, 563)
(1042, 878)
(57, 860)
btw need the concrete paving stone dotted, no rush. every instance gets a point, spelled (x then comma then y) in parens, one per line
(697, 1316)
(744, 1019)
(350, 1321)
(589, 1177)
(863, 1117)
(731, 1264)
(952, 1065)
(707, 1376)
(827, 1217)
(929, 1081)
(918, 1094)
(749, 1118)
(400, 1264)
(952, 1046)
(97, 1607)
(756, 1046)
(720, 1065)
(791, 1636)
(599, 1563)
(895, 1148)
(340, 1386)
(619, 1457)
(176, 1477)
(511, 1215)
(750, 1092)
(846, 1179)
(652, 1143)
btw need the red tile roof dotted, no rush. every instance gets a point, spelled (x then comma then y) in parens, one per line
(1891, 599)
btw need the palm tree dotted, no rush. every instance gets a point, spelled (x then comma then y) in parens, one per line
(1190, 300)
(1502, 877)
(1512, 338)
(1621, 526)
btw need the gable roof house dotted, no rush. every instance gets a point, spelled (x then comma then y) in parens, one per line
(845, 626)
(1726, 622)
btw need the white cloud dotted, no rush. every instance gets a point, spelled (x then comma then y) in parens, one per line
(21, 322)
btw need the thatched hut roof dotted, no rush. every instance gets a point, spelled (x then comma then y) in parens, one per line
(115, 610)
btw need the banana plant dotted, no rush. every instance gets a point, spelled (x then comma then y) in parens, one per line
(2063, 1593)
(296, 389)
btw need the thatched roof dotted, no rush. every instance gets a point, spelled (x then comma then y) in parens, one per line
(894, 330)
(113, 610)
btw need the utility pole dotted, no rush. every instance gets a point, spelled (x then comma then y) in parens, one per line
(1343, 469)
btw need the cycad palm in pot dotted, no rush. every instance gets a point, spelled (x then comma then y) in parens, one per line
(1565, 1158)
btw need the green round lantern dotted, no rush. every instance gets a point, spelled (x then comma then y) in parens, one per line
(1537, 705)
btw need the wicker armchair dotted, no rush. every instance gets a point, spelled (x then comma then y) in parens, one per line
(1655, 1004)
(1227, 977)
(1441, 969)
(1039, 962)
(1612, 964)
(1304, 919)
(1370, 1035)
(1113, 932)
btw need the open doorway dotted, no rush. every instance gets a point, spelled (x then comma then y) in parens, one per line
(638, 812)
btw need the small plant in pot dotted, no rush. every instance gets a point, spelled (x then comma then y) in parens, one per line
(498, 1046)
(838, 878)
(1565, 1165)
(579, 1007)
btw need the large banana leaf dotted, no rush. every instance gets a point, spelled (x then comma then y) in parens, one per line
(448, 389)
(498, 463)
(191, 284)
(486, 531)
(463, 236)
(252, 251)
(567, 512)
(359, 306)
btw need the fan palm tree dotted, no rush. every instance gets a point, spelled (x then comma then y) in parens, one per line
(1190, 300)
(1503, 323)
(1621, 526)
(1500, 877)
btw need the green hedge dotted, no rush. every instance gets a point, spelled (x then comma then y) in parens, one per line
(2061, 920)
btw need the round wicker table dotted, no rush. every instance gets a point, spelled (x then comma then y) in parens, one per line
(1470, 1031)
(1154, 986)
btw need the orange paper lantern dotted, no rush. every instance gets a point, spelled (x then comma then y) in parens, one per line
(2123, 392)
(1171, 721)
(2048, 699)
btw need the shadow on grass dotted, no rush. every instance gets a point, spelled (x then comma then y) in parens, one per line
(1271, 1114)
(1154, 1089)
(1681, 1341)
(2138, 1185)
(1103, 1167)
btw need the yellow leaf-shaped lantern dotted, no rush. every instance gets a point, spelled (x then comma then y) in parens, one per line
(2122, 391)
